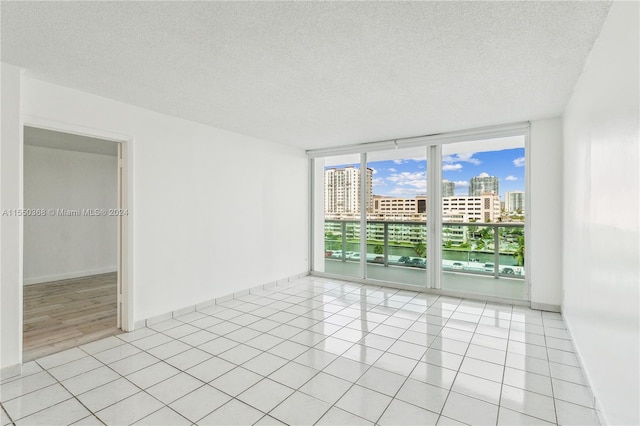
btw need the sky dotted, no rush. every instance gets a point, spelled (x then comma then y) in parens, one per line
(406, 177)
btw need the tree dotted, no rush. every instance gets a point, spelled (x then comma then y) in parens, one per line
(520, 251)
(479, 244)
(378, 249)
(421, 249)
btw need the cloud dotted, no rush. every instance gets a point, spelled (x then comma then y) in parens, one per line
(461, 183)
(378, 182)
(511, 177)
(463, 158)
(483, 174)
(373, 171)
(408, 182)
(451, 167)
(398, 190)
(399, 161)
(519, 162)
(392, 170)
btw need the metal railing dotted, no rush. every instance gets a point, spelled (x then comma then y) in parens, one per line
(494, 249)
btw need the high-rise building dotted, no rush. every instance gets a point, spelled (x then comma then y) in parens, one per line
(484, 183)
(448, 188)
(514, 201)
(342, 189)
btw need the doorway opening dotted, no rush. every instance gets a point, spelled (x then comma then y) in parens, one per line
(74, 211)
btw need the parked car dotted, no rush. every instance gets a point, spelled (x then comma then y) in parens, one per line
(378, 259)
(508, 271)
(418, 262)
(457, 265)
(488, 267)
(328, 253)
(404, 259)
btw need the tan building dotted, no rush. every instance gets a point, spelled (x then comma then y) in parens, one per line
(483, 208)
(342, 189)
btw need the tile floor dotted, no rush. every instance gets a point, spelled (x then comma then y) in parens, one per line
(321, 352)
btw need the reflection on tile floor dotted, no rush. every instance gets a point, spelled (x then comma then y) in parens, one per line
(317, 351)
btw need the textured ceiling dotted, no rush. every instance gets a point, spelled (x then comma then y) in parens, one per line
(313, 74)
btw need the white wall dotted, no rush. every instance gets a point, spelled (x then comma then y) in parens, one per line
(10, 198)
(57, 246)
(544, 214)
(212, 212)
(601, 231)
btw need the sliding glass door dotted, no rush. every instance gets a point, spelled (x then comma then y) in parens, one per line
(397, 216)
(383, 216)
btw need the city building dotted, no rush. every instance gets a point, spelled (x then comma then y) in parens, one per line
(484, 183)
(448, 188)
(461, 208)
(342, 189)
(514, 201)
(222, 112)
(482, 208)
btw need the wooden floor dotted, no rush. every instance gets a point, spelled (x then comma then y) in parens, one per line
(63, 314)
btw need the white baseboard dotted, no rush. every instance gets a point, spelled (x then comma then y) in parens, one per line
(285, 282)
(67, 276)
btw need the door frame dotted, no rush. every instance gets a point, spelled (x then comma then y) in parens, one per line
(125, 315)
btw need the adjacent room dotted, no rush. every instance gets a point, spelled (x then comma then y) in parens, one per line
(337, 213)
(70, 241)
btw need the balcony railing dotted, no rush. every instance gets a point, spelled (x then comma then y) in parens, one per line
(494, 249)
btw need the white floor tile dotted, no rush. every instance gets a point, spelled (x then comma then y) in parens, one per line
(74, 368)
(477, 387)
(293, 374)
(326, 388)
(469, 410)
(117, 353)
(346, 369)
(401, 413)
(189, 358)
(396, 363)
(24, 385)
(218, 346)
(364, 403)
(382, 381)
(153, 374)
(61, 358)
(507, 417)
(200, 402)
(572, 414)
(240, 354)
(264, 364)
(484, 369)
(363, 354)
(101, 345)
(532, 382)
(434, 375)
(337, 417)
(287, 349)
(236, 381)
(63, 413)
(265, 395)
(443, 359)
(423, 395)
(529, 403)
(164, 417)
(572, 392)
(90, 380)
(35, 401)
(130, 410)
(300, 409)
(315, 358)
(105, 395)
(133, 363)
(264, 342)
(174, 387)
